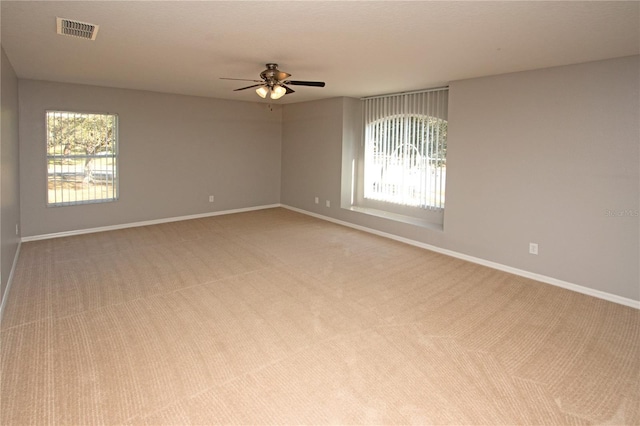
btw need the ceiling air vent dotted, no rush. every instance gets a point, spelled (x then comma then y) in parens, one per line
(77, 29)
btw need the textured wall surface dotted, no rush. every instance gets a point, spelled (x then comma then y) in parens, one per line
(9, 180)
(175, 151)
(548, 156)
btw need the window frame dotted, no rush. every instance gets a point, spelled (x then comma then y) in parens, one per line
(353, 188)
(114, 186)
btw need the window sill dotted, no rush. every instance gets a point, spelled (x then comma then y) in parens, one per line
(423, 223)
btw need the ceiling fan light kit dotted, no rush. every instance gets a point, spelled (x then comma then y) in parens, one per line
(262, 91)
(274, 83)
(277, 92)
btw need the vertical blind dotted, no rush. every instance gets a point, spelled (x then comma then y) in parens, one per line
(405, 148)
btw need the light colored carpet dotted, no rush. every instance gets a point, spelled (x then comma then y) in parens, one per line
(276, 317)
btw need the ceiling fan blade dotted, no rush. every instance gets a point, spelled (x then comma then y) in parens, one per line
(289, 90)
(248, 87)
(305, 83)
(240, 79)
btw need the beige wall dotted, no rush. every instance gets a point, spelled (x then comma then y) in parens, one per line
(9, 180)
(175, 151)
(548, 156)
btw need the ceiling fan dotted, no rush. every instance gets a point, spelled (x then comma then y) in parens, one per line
(274, 83)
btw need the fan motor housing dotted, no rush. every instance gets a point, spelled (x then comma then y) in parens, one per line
(273, 75)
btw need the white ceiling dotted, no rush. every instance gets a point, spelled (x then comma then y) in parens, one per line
(359, 48)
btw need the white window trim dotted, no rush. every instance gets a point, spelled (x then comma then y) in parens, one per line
(430, 217)
(62, 202)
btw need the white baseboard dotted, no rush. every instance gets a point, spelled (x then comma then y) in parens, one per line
(494, 265)
(5, 296)
(144, 223)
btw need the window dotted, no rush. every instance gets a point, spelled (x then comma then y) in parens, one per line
(82, 158)
(405, 147)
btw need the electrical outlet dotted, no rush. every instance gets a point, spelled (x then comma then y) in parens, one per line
(533, 248)
(328, 203)
(211, 198)
(17, 229)
(317, 200)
